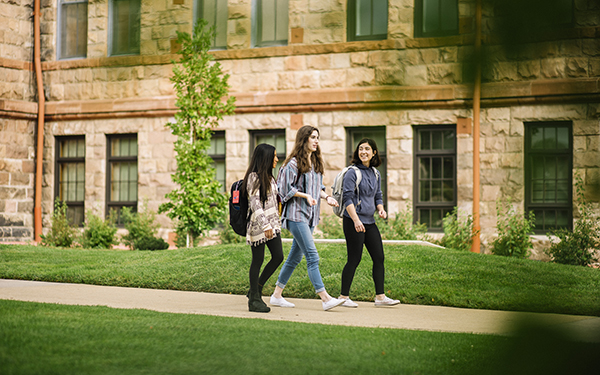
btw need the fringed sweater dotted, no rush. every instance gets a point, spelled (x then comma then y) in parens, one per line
(262, 218)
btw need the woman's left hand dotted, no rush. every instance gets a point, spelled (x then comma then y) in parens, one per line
(332, 202)
(269, 233)
(382, 214)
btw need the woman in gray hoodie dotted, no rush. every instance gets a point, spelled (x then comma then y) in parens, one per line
(359, 224)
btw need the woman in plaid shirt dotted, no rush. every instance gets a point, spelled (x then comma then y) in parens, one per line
(300, 185)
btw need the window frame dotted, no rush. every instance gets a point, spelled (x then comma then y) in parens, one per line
(351, 23)
(116, 159)
(351, 145)
(112, 33)
(61, 22)
(60, 160)
(199, 13)
(257, 40)
(220, 158)
(529, 154)
(417, 204)
(418, 22)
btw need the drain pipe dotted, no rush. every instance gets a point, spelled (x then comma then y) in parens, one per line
(476, 246)
(37, 210)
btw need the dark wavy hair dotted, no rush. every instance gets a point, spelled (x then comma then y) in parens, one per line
(262, 164)
(375, 160)
(300, 151)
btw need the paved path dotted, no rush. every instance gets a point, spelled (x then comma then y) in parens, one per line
(414, 317)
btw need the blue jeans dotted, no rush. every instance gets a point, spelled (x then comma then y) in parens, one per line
(303, 245)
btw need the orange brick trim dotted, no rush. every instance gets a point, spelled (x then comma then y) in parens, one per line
(15, 64)
(361, 98)
(18, 109)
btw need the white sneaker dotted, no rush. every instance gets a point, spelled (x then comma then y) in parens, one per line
(281, 302)
(348, 303)
(386, 302)
(334, 302)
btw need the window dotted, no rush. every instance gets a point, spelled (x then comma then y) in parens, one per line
(217, 153)
(271, 23)
(548, 174)
(69, 184)
(215, 12)
(435, 174)
(274, 138)
(354, 135)
(73, 24)
(122, 175)
(125, 27)
(436, 18)
(367, 19)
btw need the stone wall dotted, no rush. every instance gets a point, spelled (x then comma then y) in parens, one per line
(17, 175)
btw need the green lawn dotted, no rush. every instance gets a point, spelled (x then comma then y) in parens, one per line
(55, 339)
(414, 274)
(40, 338)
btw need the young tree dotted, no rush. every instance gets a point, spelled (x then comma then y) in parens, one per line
(197, 204)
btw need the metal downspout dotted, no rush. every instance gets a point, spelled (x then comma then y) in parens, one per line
(476, 246)
(37, 210)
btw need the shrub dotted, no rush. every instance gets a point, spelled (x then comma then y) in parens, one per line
(458, 232)
(514, 229)
(150, 243)
(61, 234)
(401, 226)
(577, 247)
(98, 233)
(331, 226)
(139, 225)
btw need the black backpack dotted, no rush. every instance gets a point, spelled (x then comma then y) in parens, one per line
(238, 209)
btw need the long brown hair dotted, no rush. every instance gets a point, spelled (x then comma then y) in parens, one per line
(300, 151)
(262, 164)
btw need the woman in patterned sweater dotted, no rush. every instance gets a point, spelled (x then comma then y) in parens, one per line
(264, 226)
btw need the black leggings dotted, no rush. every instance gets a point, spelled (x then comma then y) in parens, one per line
(371, 238)
(258, 256)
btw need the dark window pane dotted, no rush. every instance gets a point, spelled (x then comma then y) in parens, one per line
(424, 168)
(425, 141)
(448, 191)
(448, 140)
(537, 138)
(431, 16)
(562, 192)
(425, 192)
(537, 164)
(436, 191)
(562, 219)
(550, 168)
(550, 190)
(537, 192)
(448, 168)
(380, 17)
(562, 138)
(436, 167)
(549, 138)
(449, 12)
(363, 17)
(424, 217)
(436, 140)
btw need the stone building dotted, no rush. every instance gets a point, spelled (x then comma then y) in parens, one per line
(399, 71)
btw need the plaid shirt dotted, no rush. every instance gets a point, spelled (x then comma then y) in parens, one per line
(296, 208)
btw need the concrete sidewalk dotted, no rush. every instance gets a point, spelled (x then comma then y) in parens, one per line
(413, 317)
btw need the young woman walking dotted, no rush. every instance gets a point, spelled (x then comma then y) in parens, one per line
(264, 226)
(301, 188)
(359, 223)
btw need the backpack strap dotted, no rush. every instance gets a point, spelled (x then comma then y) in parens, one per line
(358, 180)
